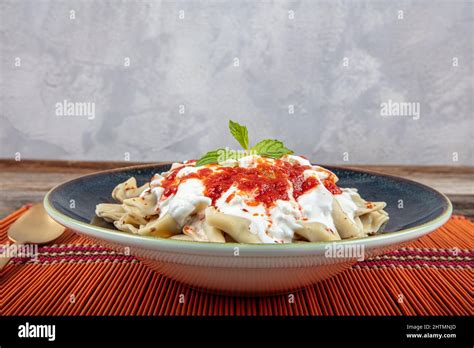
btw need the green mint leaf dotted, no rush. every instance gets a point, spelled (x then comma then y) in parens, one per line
(210, 157)
(271, 148)
(240, 134)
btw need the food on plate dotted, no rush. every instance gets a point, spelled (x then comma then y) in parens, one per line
(261, 194)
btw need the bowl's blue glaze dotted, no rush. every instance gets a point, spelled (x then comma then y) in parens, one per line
(409, 203)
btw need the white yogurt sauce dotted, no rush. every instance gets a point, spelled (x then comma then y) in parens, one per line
(316, 206)
(347, 203)
(189, 199)
(272, 225)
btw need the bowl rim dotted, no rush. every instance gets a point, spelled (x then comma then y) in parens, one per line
(156, 243)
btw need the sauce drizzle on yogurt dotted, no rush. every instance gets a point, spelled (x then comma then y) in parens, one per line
(266, 180)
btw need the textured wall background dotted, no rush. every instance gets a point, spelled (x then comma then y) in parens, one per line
(289, 53)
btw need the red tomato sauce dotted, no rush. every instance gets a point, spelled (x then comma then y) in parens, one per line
(268, 182)
(332, 187)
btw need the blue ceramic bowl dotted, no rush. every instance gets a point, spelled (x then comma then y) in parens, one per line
(414, 210)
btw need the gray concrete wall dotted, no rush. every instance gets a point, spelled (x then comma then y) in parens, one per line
(165, 77)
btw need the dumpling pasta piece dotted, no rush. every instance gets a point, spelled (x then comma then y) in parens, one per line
(214, 234)
(317, 232)
(164, 226)
(128, 189)
(110, 212)
(374, 221)
(237, 227)
(143, 205)
(346, 227)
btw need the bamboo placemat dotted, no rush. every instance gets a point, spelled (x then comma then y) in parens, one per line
(432, 276)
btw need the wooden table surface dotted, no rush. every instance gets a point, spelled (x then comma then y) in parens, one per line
(27, 181)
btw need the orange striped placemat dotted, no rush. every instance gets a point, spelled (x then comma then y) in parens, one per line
(432, 276)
